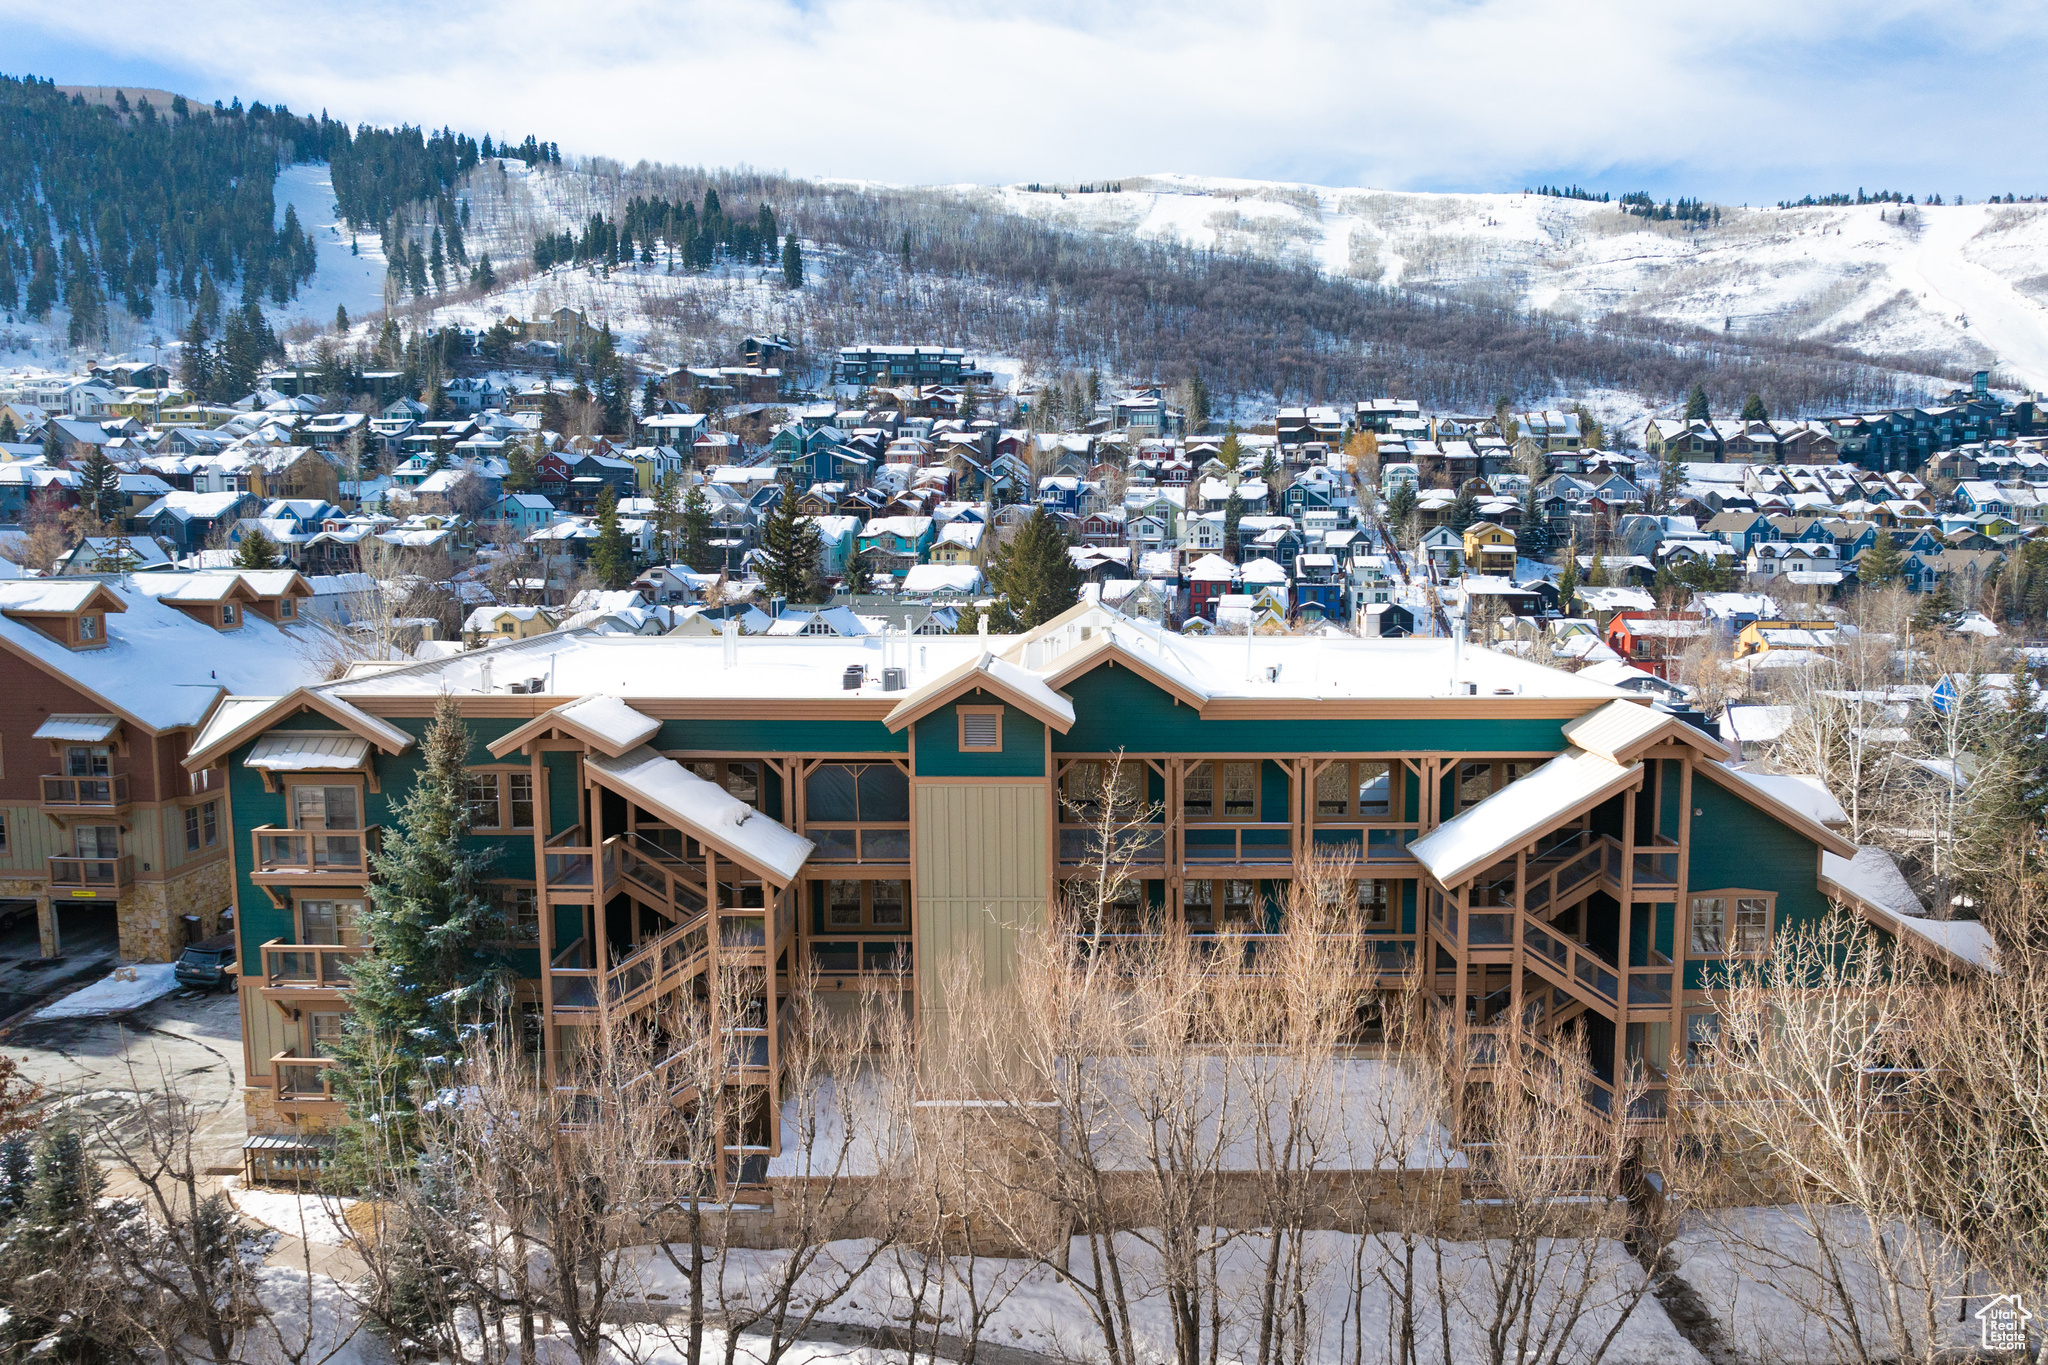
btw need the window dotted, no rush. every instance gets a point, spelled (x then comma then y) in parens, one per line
(86, 760)
(227, 616)
(324, 808)
(1373, 903)
(1475, 783)
(851, 905)
(323, 1033)
(1237, 902)
(1359, 791)
(191, 829)
(3, 831)
(482, 801)
(521, 790)
(96, 841)
(981, 728)
(209, 823)
(330, 922)
(286, 607)
(88, 628)
(1234, 785)
(1714, 935)
(1198, 904)
(520, 905)
(740, 778)
(1084, 784)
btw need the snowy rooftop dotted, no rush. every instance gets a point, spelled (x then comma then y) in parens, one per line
(1280, 668)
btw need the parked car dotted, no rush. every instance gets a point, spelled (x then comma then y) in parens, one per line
(207, 965)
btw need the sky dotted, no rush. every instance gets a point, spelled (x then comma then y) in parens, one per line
(1739, 101)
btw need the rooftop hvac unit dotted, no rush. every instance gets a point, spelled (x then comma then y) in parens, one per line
(854, 678)
(892, 680)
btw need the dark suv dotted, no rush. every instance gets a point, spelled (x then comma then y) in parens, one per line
(207, 965)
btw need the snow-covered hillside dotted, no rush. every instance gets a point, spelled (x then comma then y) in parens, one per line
(1961, 284)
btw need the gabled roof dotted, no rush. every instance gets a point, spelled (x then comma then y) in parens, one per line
(1573, 782)
(1016, 685)
(1754, 793)
(1621, 730)
(706, 810)
(604, 723)
(243, 716)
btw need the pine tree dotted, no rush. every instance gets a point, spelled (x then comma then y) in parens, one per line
(791, 546)
(1230, 454)
(1532, 541)
(668, 515)
(483, 276)
(7, 432)
(1400, 504)
(53, 448)
(340, 318)
(428, 973)
(1568, 578)
(257, 550)
(1035, 577)
(859, 578)
(696, 529)
(1670, 479)
(1464, 511)
(521, 472)
(792, 263)
(1882, 563)
(1696, 404)
(611, 558)
(99, 486)
(1198, 403)
(1596, 572)
(1753, 409)
(1233, 514)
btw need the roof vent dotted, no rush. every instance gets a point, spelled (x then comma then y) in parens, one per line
(854, 677)
(1472, 689)
(1273, 673)
(892, 679)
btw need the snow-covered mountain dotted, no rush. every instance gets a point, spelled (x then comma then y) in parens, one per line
(1959, 284)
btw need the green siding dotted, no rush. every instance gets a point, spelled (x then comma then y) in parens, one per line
(782, 737)
(1736, 845)
(938, 744)
(1115, 708)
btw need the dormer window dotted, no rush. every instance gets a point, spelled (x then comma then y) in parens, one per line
(286, 606)
(227, 616)
(89, 628)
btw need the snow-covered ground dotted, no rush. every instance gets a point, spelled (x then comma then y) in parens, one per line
(1960, 284)
(342, 278)
(317, 1218)
(126, 988)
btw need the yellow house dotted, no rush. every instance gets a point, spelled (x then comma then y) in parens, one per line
(487, 625)
(1489, 548)
(1761, 637)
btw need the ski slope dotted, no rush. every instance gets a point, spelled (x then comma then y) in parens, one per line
(1959, 285)
(340, 278)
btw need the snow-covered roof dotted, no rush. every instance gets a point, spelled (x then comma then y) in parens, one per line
(158, 666)
(1519, 812)
(1872, 882)
(1807, 795)
(920, 579)
(291, 751)
(78, 729)
(705, 809)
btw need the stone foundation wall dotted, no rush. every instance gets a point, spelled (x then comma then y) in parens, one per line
(152, 913)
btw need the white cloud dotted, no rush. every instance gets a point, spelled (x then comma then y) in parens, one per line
(1741, 95)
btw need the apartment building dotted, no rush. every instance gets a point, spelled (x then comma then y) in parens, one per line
(867, 805)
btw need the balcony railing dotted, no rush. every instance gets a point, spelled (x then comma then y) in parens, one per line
(303, 1080)
(1083, 844)
(861, 955)
(83, 878)
(1372, 843)
(568, 860)
(1252, 842)
(302, 853)
(859, 843)
(312, 966)
(106, 793)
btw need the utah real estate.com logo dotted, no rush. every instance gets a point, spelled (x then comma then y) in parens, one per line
(2003, 1324)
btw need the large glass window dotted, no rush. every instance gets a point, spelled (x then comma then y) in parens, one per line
(1229, 790)
(331, 922)
(873, 796)
(1356, 791)
(521, 794)
(1085, 784)
(483, 800)
(326, 808)
(86, 760)
(741, 778)
(852, 905)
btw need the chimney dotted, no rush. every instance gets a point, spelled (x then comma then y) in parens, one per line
(730, 629)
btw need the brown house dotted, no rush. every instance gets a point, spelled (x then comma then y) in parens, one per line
(107, 681)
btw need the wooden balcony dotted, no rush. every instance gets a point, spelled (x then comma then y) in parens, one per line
(298, 967)
(284, 856)
(303, 1084)
(91, 878)
(105, 795)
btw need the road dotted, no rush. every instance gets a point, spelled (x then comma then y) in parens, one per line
(96, 1068)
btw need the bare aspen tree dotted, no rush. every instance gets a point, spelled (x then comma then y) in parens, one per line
(1796, 1085)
